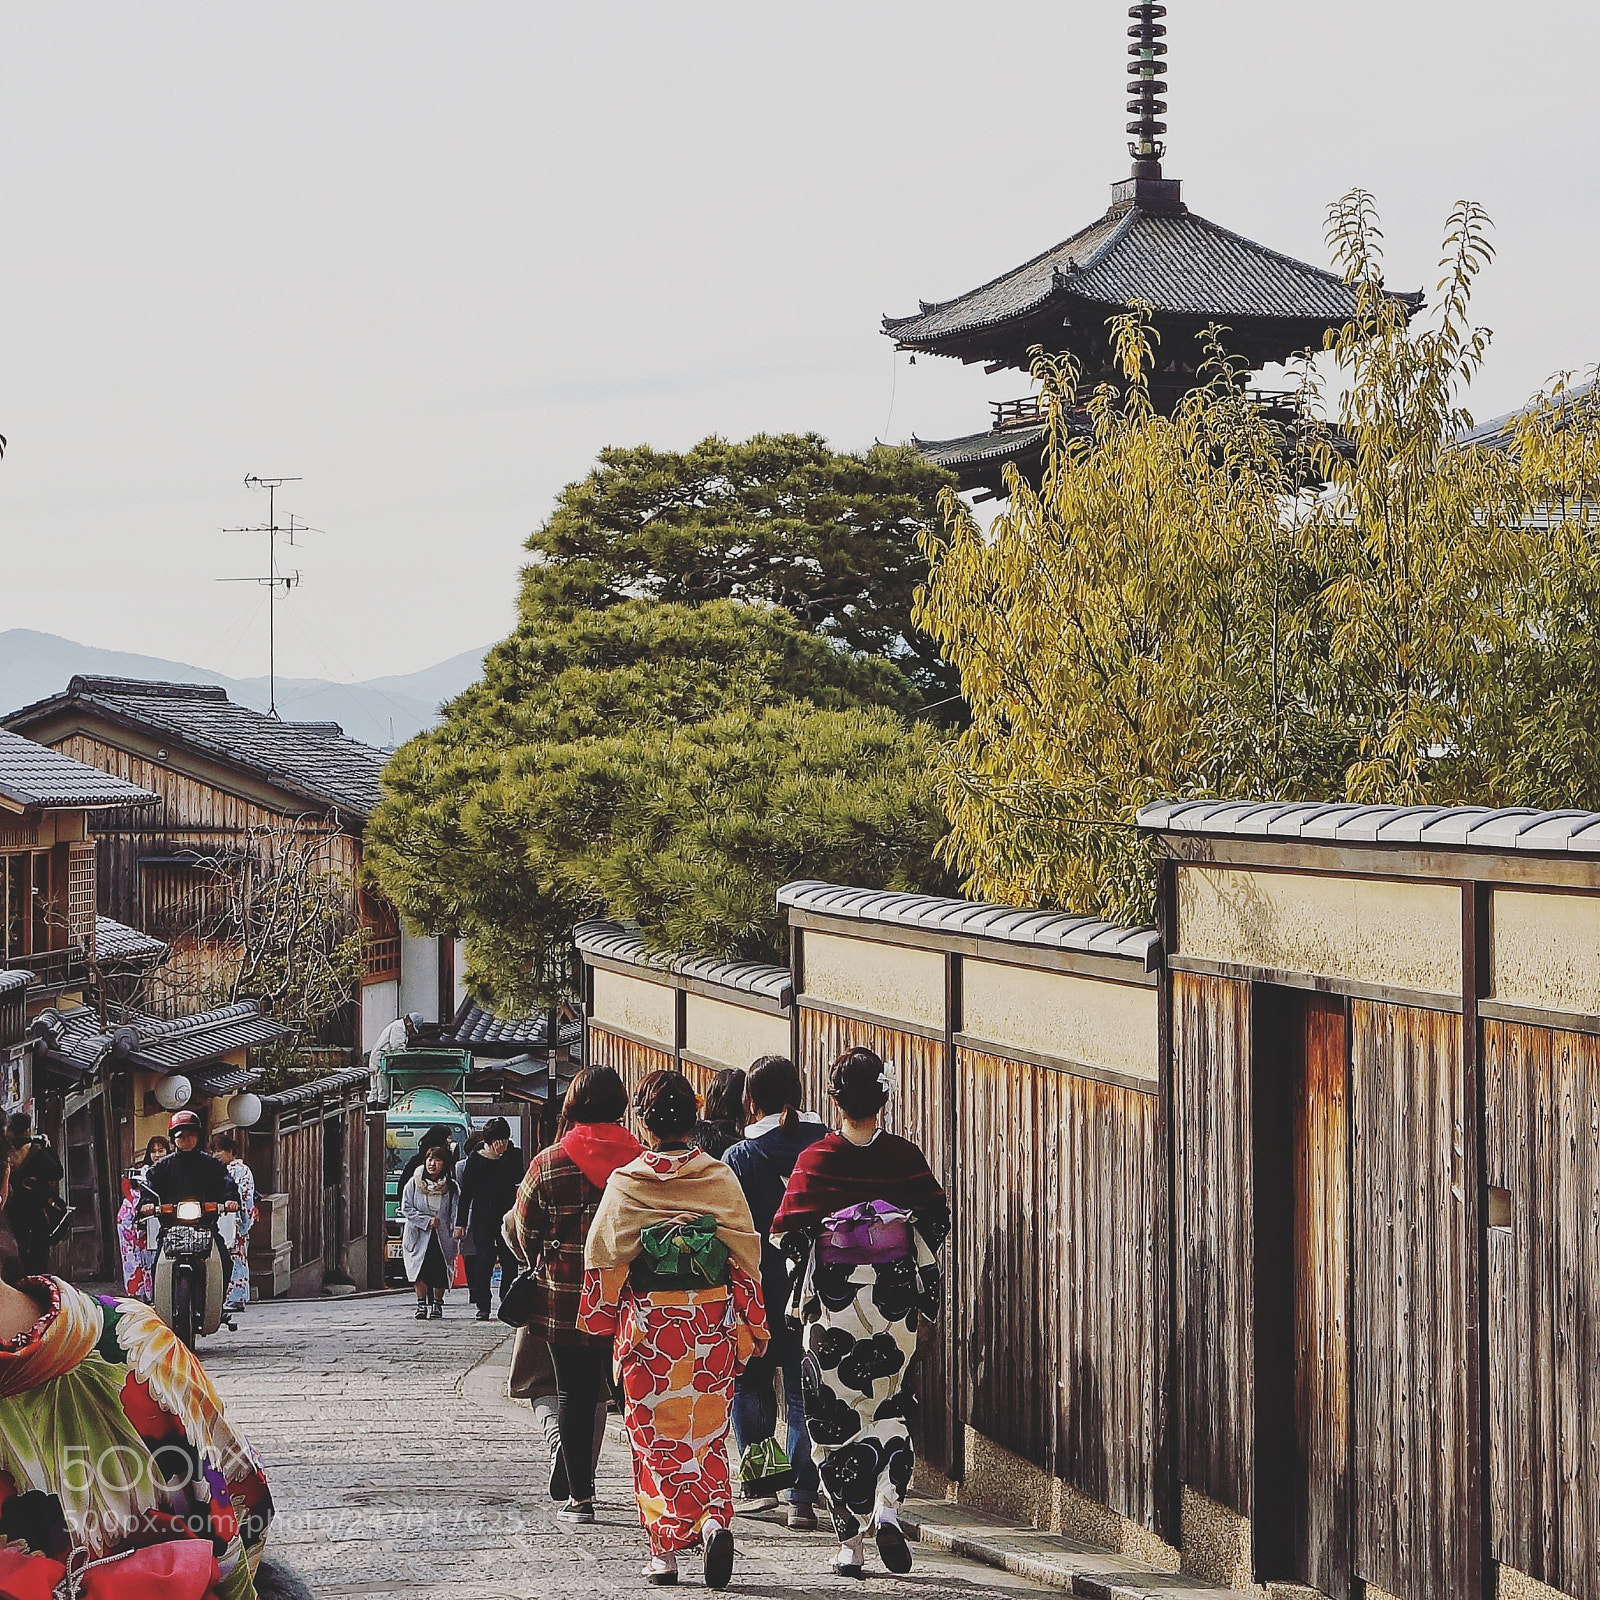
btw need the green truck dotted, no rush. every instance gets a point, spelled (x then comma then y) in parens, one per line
(420, 1089)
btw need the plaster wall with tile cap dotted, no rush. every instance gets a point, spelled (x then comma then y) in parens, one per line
(1025, 1048)
(1395, 1364)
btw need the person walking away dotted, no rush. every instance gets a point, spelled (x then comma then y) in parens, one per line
(549, 1224)
(429, 1204)
(488, 1191)
(722, 1125)
(672, 1273)
(463, 1238)
(776, 1134)
(38, 1213)
(862, 1219)
(133, 1231)
(225, 1147)
(88, 1381)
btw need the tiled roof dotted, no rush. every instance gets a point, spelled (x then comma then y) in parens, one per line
(484, 1033)
(1497, 432)
(974, 919)
(117, 944)
(336, 1083)
(151, 1043)
(618, 942)
(35, 775)
(14, 982)
(229, 1080)
(311, 760)
(982, 449)
(1182, 264)
(1443, 827)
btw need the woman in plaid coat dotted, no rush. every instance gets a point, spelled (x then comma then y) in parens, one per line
(549, 1226)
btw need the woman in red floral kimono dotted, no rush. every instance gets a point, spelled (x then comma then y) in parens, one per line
(116, 1462)
(677, 1349)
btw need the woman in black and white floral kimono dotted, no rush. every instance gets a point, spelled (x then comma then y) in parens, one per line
(862, 1220)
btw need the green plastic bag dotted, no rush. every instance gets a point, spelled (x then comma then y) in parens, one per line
(680, 1255)
(765, 1468)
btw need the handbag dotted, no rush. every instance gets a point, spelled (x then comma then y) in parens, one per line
(683, 1254)
(516, 1299)
(870, 1234)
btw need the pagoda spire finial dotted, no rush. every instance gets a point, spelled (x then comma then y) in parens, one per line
(1146, 84)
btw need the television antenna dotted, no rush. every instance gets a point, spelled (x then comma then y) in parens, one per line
(274, 579)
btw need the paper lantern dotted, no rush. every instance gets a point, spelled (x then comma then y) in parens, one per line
(174, 1093)
(244, 1110)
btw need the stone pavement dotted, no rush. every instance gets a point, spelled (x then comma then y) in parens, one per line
(400, 1468)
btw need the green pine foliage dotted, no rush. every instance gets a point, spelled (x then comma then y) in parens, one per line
(662, 740)
(832, 538)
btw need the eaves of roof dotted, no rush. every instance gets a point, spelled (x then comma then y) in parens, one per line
(358, 794)
(35, 777)
(338, 1083)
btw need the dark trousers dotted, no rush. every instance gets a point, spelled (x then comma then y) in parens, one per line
(755, 1409)
(480, 1268)
(583, 1378)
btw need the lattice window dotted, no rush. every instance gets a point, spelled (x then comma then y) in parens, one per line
(81, 896)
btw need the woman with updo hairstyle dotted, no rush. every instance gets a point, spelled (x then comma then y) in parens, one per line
(672, 1276)
(861, 1220)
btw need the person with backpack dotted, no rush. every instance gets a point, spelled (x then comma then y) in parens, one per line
(776, 1132)
(489, 1184)
(671, 1274)
(861, 1220)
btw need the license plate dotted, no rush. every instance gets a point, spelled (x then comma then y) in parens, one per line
(392, 1250)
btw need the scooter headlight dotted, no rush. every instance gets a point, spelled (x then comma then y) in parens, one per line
(190, 1211)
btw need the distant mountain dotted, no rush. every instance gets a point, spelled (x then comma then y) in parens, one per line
(384, 712)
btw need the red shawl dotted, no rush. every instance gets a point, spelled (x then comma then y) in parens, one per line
(597, 1149)
(833, 1174)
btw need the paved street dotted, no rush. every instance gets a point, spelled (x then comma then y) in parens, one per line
(399, 1467)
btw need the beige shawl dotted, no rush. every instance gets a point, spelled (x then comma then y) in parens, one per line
(661, 1186)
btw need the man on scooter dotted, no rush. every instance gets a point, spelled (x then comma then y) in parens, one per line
(191, 1173)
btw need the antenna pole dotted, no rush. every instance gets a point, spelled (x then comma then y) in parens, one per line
(273, 578)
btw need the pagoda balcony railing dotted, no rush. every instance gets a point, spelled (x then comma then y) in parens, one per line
(1024, 413)
(1282, 405)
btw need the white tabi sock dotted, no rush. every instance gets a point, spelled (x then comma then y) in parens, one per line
(852, 1553)
(888, 1516)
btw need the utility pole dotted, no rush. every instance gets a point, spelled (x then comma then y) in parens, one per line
(274, 579)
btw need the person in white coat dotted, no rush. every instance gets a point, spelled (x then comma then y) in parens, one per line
(430, 1243)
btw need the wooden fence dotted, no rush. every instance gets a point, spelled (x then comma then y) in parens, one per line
(312, 1145)
(1276, 1229)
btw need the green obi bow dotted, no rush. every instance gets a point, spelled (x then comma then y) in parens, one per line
(765, 1468)
(680, 1255)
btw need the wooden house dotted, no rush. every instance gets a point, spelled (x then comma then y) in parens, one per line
(234, 788)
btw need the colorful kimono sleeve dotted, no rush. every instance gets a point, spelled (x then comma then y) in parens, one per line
(600, 1306)
(749, 1312)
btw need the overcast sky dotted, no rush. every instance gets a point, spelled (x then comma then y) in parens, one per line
(430, 258)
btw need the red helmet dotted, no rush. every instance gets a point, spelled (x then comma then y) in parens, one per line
(182, 1120)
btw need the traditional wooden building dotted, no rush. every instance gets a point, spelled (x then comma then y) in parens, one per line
(1148, 246)
(233, 788)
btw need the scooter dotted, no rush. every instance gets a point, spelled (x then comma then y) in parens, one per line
(189, 1279)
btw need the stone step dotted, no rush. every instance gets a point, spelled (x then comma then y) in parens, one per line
(1050, 1559)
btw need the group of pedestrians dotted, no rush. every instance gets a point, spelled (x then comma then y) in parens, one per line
(687, 1273)
(454, 1207)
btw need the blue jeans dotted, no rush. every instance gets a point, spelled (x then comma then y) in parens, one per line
(755, 1410)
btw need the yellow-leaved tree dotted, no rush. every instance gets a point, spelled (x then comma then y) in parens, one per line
(1241, 601)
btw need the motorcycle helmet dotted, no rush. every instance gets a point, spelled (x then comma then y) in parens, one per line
(184, 1119)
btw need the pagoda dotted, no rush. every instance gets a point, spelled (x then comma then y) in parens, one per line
(1148, 246)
